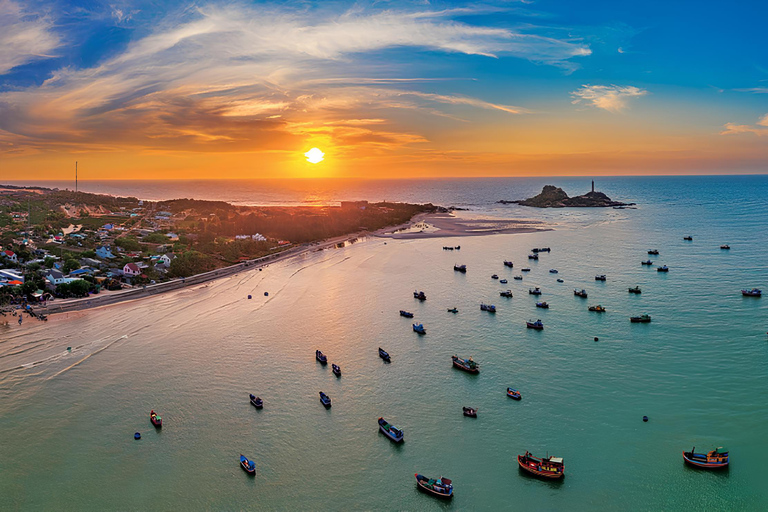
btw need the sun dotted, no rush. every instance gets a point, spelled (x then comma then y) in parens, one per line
(314, 156)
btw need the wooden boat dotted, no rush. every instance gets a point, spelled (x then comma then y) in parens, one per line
(336, 370)
(518, 278)
(384, 355)
(391, 431)
(545, 467)
(406, 314)
(507, 293)
(325, 399)
(538, 325)
(636, 289)
(321, 357)
(542, 305)
(560, 281)
(597, 309)
(470, 412)
(156, 420)
(508, 264)
(419, 328)
(646, 262)
(534, 291)
(442, 487)
(642, 319)
(503, 281)
(714, 459)
(460, 268)
(488, 307)
(453, 310)
(754, 292)
(533, 256)
(526, 269)
(582, 293)
(654, 252)
(458, 247)
(468, 365)
(494, 276)
(419, 295)
(514, 394)
(553, 271)
(257, 402)
(662, 268)
(600, 277)
(543, 249)
(248, 465)
(725, 246)
(689, 238)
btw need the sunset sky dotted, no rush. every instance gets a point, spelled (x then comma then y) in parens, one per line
(181, 89)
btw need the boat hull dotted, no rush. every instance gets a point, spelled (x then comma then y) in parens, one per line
(390, 435)
(432, 492)
(467, 369)
(687, 457)
(525, 465)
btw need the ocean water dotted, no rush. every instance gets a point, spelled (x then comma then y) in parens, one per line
(699, 371)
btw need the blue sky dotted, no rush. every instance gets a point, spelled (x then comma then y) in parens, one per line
(435, 88)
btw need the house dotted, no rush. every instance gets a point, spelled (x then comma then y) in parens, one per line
(81, 271)
(131, 270)
(55, 277)
(167, 258)
(90, 262)
(172, 236)
(108, 227)
(10, 255)
(104, 252)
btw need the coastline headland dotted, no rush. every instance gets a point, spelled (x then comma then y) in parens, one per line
(555, 197)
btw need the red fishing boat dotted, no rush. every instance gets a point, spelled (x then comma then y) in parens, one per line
(714, 459)
(545, 467)
(468, 365)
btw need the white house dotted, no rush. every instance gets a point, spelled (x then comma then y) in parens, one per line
(167, 258)
(10, 255)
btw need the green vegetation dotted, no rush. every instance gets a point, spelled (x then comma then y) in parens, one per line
(191, 263)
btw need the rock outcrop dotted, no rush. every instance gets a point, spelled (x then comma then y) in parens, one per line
(555, 197)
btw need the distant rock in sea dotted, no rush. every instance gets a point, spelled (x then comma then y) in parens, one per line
(555, 197)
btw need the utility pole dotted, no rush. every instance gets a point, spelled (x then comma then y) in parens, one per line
(75, 176)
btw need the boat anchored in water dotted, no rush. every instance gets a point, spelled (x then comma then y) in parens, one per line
(506, 293)
(714, 459)
(526, 269)
(642, 319)
(542, 305)
(508, 264)
(391, 431)
(503, 281)
(156, 420)
(600, 277)
(582, 293)
(468, 365)
(325, 399)
(321, 357)
(384, 355)
(406, 314)
(533, 256)
(534, 291)
(494, 276)
(553, 271)
(688, 238)
(538, 325)
(560, 280)
(754, 292)
(256, 401)
(636, 289)
(419, 328)
(598, 308)
(518, 278)
(470, 412)
(514, 394)
(725, 246)
(419, 295)
(488, 307)
(336, 370)
(460, 268)
(248, 465)
(442, 487)
(545, 467)
(662, 268)
(646, 262)
(453, 310)
(655, 252)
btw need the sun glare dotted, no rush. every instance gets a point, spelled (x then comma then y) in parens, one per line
(314, 156)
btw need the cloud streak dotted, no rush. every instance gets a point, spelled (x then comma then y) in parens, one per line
(613, 98)
(760, 128)
(24, 36)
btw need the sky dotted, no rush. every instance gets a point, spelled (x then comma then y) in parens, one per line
(170, 89)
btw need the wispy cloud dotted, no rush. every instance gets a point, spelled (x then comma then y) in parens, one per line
(24, 36)
(760, 128)
(613, 98)
(754, 90)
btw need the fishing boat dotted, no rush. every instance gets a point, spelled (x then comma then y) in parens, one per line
(754, 292)
(533, 256)
(598, 308)
(488, 307)
(383, 354)
(689, 238)
(538, 325)
(642, 319)
(468, 365)
(458, 247)
(325, 399)
(526, 269)
(543, 305)
(321, 357)
(248, 465)
(257, 402)
(503, 281)
(545, 467)
(336, 370)
(514, 394)
(534, 291)
(553, 271)
(663, 268)
(544, 249)
(419, 328)
(453, 310)
(725, 246)
(646, 262)
(508, 264)
(447, 248)
(636, 289)
(155, 419)
(600, 277)
(654, 252)
(714, 459)
(535, 250)
(494, 276)
(391, 431)
(419, 295)
(406, 314)
(560, 280)
(582, 293)
(460, 268)
(518, 278)
(442, 487)
(470, 412)
(506, 293)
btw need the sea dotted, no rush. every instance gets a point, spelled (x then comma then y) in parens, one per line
(698, 371)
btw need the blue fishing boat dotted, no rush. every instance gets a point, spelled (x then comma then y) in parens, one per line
(248, 465)
(468, 365)
(257, 402)
(488, 307)
(534, 291)
(391, 431)
(442, 487)
(406, 314)
(321, 357)
(514, 394)
(325, 399)
(503, 281)
(538, 325)
(384, 355)
(543, 305)
(419, 328)
(714, 459)
(336, 370)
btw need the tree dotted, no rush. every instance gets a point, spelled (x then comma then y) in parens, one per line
(70, 265)
(48, 262)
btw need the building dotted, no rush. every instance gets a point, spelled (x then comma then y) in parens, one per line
(131, 270)
(104, 252)
(10, 256)
(167, 258)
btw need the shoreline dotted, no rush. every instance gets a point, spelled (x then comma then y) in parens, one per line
(447, 226)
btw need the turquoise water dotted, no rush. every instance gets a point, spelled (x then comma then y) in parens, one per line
(699, 371)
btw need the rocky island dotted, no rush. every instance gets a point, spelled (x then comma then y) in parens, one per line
(555, 197)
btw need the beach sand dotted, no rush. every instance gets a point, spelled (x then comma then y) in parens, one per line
(438, 225)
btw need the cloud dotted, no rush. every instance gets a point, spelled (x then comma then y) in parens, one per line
(755, 90)
(24, 36)
(230, 78)
(760, 128)
(613, 98)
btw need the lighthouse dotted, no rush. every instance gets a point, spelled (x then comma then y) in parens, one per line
(593, 185)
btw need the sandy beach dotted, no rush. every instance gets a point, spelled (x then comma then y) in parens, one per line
(439, 225)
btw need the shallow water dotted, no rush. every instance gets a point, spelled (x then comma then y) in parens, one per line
(699, 371)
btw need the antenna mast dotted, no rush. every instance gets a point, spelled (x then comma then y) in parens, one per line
(75, 176)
